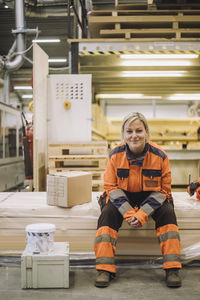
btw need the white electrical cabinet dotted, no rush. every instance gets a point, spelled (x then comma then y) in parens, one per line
(69, 108)
(46, 270)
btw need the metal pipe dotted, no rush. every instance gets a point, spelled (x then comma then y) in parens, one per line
(6, 88)
(12, 50)
(20, 38)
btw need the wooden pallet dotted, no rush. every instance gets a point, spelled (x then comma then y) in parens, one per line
(146, 24)
(89, 157)
(93, 148)
(77, 161)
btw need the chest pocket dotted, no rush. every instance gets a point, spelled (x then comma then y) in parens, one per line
(122, 173)
(151, 179)
(122, 178)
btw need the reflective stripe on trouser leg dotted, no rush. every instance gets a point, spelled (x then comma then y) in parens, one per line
(108, 225)
(105, 246)
(168, 237)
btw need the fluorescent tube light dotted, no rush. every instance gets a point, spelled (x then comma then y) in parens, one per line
(27, 96)
(22, 87)
(52, 60)
(152, 73)
(186, 97)
(117, 96)
(126, 96)
(151, 97)
(159, 56)
(46, 41)
(156, 63)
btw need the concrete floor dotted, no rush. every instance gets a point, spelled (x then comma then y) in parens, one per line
(136, 282)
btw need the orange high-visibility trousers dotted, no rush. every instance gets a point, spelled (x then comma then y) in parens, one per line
(110, 222)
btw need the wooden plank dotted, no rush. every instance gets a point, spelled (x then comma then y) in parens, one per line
(78, 148)
(160, 6)
(143, 12)
(96, 161)
(148, 30)
(144, 19)
(130, 242)
(17, 210)
(40, 72)
(100, 40)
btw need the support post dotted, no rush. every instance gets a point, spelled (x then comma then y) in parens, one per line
(74, 58)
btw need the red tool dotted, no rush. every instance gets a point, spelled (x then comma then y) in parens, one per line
(194, 187)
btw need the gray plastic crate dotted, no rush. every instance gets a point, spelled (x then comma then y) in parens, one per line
(46, 270)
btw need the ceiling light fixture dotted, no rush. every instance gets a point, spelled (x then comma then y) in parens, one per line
(185, 97)
(156, 63)
(27, 96)
(19, 87)
(126, 96)
(153, 73)
(55, 60)
(46, 41)
(118, 96)
(159, 56)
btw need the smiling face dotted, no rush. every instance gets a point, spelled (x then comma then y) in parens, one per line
(135, 136)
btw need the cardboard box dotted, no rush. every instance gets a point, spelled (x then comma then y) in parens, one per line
(68, 189)
(46, 271)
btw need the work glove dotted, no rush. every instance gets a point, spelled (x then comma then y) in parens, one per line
(129, 214)
(134, 214)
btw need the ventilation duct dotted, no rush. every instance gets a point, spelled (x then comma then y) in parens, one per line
(8, 63)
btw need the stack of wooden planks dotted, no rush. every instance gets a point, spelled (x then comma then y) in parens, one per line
(77, 225)
(133, 22)
(89, 157)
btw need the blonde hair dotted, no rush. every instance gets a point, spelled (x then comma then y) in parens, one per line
(132, 117)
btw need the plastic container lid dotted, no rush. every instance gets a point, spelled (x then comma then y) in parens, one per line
(40, 227)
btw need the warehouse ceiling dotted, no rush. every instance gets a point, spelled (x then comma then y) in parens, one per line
(113, 75)
(107, 69)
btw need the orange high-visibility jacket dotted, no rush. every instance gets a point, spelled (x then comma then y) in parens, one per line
(151, 172)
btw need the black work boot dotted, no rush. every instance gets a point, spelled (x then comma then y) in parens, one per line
(102, 278)
(173, 278)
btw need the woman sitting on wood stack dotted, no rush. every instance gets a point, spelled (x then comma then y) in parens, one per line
(137, 182)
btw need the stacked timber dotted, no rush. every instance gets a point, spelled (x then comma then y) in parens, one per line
(77, 225)
(89, 157)
(133, 22)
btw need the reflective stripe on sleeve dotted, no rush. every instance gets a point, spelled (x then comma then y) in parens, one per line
(117, 194)
(153, 202)
(147, 209)
(158, 197)
(120, 201)
(124, 208)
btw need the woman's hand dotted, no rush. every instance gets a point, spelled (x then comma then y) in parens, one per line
(134, 223)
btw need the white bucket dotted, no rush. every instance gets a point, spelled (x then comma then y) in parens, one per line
(40, 237)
